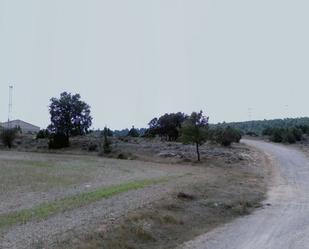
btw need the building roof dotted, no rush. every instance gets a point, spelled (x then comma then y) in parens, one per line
(19, 122)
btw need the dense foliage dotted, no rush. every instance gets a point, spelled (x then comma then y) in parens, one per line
(44, 133)
(58, 141)
(133, 132)
(257, 127)
(167, 126)
(7, 136)
(224, 135)
(194, 130)
(125, 132)
(284, 135)
(69, 117)
(107, 143)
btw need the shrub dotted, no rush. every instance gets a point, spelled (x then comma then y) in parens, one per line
(268, 131)
(8, 136)
(122, 156)
(43, 134)
(92, 147)
(225, 136)
(304, 129)
(288, 137)
(276, 135)
(281, 135)
(106, 148)
(149, 133)
(58, 141)
(252, 134)
(133, 132)
(298, 133)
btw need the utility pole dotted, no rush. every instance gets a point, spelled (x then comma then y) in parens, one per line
(10, 105)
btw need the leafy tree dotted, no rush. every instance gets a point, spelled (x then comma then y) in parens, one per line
(167, 126)
(70, 116)
(8, 136)
(107, 142)
(133, 132)
(108, 132)
(194, 130)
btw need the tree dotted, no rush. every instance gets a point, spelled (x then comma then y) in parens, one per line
(108, 132)
(8, 136)
(69, 115)
(167, 126)
(133, 132)
(43, 134)
(194, 130)
(107, 142)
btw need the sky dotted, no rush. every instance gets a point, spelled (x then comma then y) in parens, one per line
(132, 60)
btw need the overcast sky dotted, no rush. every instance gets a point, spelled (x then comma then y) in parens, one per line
(132, 60)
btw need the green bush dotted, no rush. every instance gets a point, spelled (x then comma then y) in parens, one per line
(298, 134)
(288, 137)
(8, 136)
(43, 134)
(133, 132)
(106, 148)
(281, 135)
(277, 135)
(225, 136)
(58, 141)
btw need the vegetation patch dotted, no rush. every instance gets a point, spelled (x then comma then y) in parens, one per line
(194, 210)
(45, 210)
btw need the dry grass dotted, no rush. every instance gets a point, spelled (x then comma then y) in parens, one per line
(177, 219)
(45, 210)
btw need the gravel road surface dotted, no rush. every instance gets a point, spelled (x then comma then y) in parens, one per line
(283, 223)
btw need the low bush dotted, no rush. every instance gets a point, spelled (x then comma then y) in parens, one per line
(8, 136)
(106, 147)
(43, 134)
(58, 141)
(252, 134)
(225, 136)
(284, 135)
(122, 156)
(92, 147)
(133, 132)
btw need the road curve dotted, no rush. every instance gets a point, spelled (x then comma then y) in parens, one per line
(284, 224)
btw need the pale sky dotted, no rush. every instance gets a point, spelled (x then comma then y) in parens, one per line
(132, 60)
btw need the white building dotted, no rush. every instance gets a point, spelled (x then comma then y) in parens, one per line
(24, 126)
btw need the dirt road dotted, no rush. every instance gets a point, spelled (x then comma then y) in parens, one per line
(284, 221)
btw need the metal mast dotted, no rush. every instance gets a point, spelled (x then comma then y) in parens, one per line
(10, 105)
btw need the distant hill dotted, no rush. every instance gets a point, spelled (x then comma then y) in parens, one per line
(257, 126)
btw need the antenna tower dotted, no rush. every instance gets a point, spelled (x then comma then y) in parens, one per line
(10, 105)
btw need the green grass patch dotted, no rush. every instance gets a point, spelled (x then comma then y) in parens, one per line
(45, 210)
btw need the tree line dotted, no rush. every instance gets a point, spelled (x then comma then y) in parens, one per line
(70, 116)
